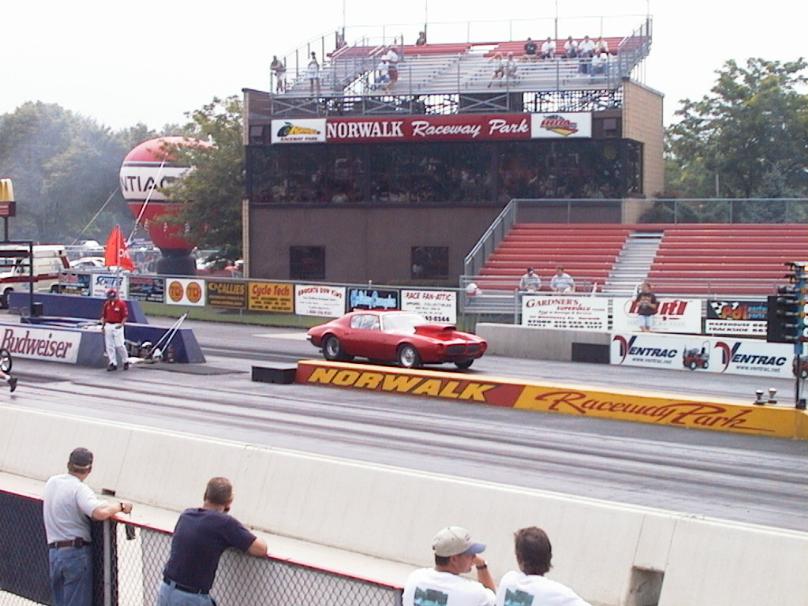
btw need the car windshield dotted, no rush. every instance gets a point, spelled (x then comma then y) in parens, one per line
(402, 322)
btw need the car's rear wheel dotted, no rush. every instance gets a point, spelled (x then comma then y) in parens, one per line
(464, 364)
(408, 357)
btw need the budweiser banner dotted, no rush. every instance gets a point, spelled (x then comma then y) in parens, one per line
(41, 343)
(559, 125)
(464, 127)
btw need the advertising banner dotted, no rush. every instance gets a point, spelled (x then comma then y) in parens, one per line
(439, 306)
(736, 318)
(147, 288)
(271, 296)
(699, 354)
(566, 313)
(466, 127)
(185, 291)
(558, 125)
(230, 295)
(41, 344)
(372, 298)
(673, 315)
(298, 130)
(103, 282)
(319, 300)
(74, 283)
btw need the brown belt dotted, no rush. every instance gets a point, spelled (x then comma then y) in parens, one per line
(69, 543)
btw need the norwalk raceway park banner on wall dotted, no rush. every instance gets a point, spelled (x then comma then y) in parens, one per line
(703, 354)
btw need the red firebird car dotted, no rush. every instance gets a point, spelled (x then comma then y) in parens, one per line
(395, 336)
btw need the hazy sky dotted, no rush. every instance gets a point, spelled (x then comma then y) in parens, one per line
(148, 61)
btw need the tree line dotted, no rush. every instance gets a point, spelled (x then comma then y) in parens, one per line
(746, 138)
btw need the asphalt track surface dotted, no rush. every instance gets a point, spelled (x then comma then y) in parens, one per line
(743, 478)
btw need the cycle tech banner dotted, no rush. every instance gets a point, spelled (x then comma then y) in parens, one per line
(147, 288)
(439, 306)
(563, 312)
(271, 296)
(227, 294)
(103, 282)
(372, 298)
(735, 318)
(703, 354)
(319, 300)
(185, 291)
(673, 315)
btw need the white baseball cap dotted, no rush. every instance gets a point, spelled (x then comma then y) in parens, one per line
(455, 540)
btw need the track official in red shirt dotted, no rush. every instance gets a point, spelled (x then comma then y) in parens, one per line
(113, 318)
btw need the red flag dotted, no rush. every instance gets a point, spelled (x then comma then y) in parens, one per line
(115, 252)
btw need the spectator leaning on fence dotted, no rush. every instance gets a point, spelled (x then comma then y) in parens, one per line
(67, 508)
(528, 584)
(562, 282)
(455, 555)
(200, 537)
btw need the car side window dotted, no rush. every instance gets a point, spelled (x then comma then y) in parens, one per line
(373, 323)
(365, 322)
(357, 321)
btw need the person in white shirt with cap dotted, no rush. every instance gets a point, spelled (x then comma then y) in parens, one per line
(455, 554)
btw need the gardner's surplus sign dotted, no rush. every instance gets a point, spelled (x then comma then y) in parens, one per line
(566, 313)
(41, 344)
(185, 291)
(673, 315)
(147, 288)
(103, 282)
(230, 295)
(319, 300)
(700, 354)
(439, 306)
(372, 298)
(271, 296)
(736, 318)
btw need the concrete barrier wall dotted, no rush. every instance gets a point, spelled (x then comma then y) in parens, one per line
(392, 513)
(536, 343)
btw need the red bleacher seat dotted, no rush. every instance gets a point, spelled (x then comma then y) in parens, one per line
(517, 47)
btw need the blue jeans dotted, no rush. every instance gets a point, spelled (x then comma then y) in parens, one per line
(171, 596)
(71, 576)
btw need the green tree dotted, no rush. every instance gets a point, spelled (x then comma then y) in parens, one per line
(64, 166)
(212, 192)
(751, 132)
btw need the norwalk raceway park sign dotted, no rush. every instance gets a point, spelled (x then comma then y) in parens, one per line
(583, 401)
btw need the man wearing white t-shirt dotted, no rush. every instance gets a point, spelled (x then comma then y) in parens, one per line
(455, 554)
(527, 586)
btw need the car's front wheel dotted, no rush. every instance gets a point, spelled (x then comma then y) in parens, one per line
(464, 364)
(408, 357)
(332, 349)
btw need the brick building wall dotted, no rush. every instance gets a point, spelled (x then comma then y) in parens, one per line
(642, 121)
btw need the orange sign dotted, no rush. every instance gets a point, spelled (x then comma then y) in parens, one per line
(271, 296)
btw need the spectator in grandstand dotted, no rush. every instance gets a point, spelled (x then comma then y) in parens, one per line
(68, 506)
(530, 281)
(600, 64)
(421, 41)
(392, 58)
(586, 48)
(601, 46)
(382, 74)
(499, 68)
(313, 74)
(455, 554)
(510, 67)
(530, 50)
(279, 71)
(570, 48)
(548, 48)
(562, 282)
(646, 305)
(200, 537)
(528, 584)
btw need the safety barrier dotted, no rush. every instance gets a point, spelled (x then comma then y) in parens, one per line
(128, 565)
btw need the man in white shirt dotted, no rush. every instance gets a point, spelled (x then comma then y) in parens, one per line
(455, 554)
(530, 281)
(67, 508)
(562, 282)
(548, 48)
(528, 585)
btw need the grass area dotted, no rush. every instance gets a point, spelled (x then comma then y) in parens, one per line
(212, 314)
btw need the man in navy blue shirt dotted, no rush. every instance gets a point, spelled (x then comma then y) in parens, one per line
(200, 537)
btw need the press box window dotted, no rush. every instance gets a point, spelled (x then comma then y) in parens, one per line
(307, 262)
(430, 262)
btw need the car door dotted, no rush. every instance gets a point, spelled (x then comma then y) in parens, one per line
(362, 337)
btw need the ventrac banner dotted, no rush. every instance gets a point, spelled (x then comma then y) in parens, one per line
(566, 313)
(673, 315)
(464, 127)
(737, 318)
(700, 354)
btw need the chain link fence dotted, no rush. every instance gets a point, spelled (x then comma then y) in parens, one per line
(128, 561)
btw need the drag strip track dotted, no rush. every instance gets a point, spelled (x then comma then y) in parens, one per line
(736, 477)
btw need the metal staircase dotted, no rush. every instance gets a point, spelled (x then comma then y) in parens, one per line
(633, 263)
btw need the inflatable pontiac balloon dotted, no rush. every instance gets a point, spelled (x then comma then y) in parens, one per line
(145, 171)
